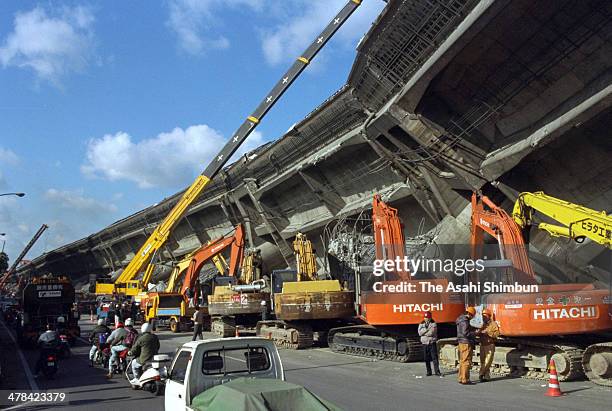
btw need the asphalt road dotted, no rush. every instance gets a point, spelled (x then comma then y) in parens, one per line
(352, 383)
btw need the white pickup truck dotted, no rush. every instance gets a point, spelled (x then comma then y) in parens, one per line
(201, 365)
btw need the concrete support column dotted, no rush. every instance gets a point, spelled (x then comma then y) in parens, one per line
(284, 248)
(317, 182)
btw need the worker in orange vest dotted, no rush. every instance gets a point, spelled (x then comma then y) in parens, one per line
(488, 334)
(466, 337)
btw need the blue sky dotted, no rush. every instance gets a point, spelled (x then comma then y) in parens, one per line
(107, 107)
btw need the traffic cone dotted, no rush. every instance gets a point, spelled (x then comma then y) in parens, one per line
(553, 383)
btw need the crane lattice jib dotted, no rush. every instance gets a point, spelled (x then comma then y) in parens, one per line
(23, 253)
(578, 221)
(161, 233)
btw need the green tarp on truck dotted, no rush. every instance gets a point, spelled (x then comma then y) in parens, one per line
(260, 394)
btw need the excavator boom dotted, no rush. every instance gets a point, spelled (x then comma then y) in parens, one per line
(159, 236)
(578, 222)
(388, 234)
(199, 258)
(488, 217)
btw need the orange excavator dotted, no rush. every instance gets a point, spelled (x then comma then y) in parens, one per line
(205, 254)
(392, 304)
(537, 321)
(173, 308)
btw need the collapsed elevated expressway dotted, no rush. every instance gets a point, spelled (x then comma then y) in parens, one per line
(444, 97)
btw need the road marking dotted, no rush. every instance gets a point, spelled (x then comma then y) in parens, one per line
(26, 367)
(16, 407)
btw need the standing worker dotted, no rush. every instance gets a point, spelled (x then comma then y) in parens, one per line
(428, 330)
(488, 335)
(198, 323)
(466, 337)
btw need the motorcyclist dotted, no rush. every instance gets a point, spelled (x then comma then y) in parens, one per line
(94, 338)
(114, 340)
(48, 343)
(61, 325)
(146, 346)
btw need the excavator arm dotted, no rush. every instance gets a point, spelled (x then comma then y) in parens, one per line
(578, 222)
(128, 278)
(488, 218)
(305, 258)
(388, 234)
(199, 258)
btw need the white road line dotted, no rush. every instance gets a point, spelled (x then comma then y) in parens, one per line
(18, 406)
(26, 367)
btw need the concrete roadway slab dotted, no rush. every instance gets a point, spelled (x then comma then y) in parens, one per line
(353, 383)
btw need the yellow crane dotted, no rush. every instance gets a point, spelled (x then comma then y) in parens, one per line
(127, 282)
(578, 222)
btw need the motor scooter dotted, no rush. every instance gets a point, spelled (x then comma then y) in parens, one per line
(49, 366)
(63, 349)
(153, 376)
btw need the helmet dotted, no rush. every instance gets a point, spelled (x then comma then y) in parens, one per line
(119, 325)
(471, 310)
(129, 322)
(60, 320)
(101, 321)
(145, 328)
(427, 314)
(486, 312)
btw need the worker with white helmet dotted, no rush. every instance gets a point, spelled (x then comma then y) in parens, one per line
(94, 337)
(146, 346)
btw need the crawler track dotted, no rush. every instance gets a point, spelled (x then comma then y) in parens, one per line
(367, 341)
(224, 326)
(286, 334)
(523, 358)
(597, 363)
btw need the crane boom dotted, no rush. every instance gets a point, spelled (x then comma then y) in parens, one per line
(161, 233)
(578, 221)
(23, 253)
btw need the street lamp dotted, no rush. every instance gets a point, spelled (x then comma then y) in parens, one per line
(13, 194)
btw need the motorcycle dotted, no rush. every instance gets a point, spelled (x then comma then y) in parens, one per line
(49, 367)
(63, 349)
(102, 355)
(153, 377)
(121, 365)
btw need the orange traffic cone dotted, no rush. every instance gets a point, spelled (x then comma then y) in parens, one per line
(553, 383)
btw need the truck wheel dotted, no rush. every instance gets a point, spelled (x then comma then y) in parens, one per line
(174, 325)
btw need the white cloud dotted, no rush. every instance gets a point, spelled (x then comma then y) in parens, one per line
(306, 19)
(52, 46)
(8, 157)
(192, 21)
(169, 159)
(77, 202)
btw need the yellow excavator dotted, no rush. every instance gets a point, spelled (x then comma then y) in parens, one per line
(578, 223)
(308, 305)
(128, 282)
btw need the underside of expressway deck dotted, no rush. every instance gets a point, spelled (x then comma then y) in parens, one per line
(444, 97)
